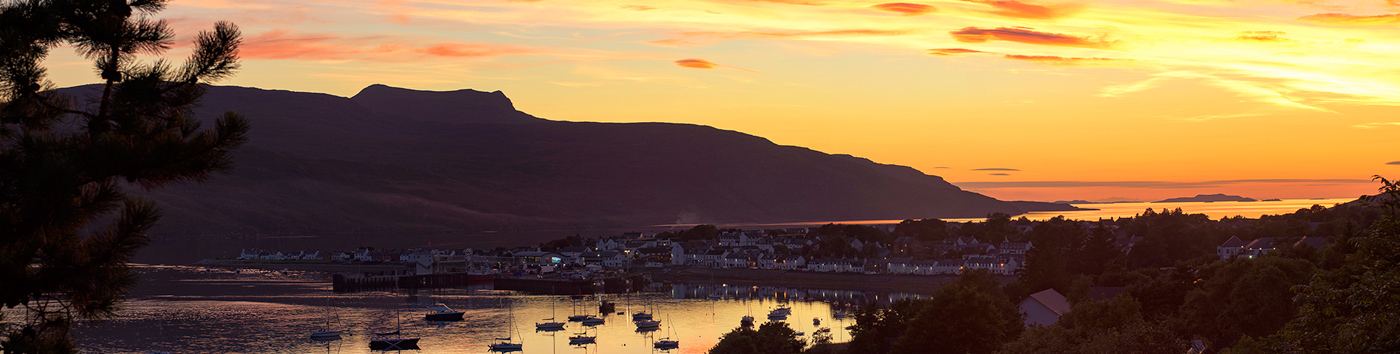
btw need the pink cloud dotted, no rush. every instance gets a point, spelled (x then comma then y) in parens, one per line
(284, 44)
(1017, 9)
(686, 38)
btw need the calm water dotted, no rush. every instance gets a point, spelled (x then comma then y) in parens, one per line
(191, 310)
(1215, 210)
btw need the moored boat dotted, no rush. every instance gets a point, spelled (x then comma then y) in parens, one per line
(443, 313)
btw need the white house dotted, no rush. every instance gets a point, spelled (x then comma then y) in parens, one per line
(902, 265)
(1014, 247)
(790, 262)
(1044, 308)
(949, 266)
(313, 255)
(737, 260)
(249, 254)
(1231, 248)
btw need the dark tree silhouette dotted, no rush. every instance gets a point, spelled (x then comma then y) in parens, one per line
(67, 224)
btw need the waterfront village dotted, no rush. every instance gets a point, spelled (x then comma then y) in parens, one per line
(794, 249)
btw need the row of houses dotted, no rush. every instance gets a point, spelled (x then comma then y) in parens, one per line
(1234, 247)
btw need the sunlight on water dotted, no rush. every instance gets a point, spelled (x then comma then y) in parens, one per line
(193, 310)
(1215, 210)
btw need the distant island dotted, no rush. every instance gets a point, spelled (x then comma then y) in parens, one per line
(1207, 198)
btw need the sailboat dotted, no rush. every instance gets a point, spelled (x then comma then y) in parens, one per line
(638, 316)
(443, 313)
(593, 321)
(325, 334)
(393, 340)
(583, 338)
(504, 344)
(549, 324)
(647, 324)
(668, 343)
(577, 317)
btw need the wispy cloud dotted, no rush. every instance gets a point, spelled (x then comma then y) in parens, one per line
(1017, 9)
(996, 169)
(1393, 163)
(1337, 19)
(1247, 89)
(904, 8)
(791, 2)
(1376, 125)
(952, 51)
(1070, 61)
(1025, 35)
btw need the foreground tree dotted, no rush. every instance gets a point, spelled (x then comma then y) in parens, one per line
(67, 224)
(770, 338)
(1352, 309)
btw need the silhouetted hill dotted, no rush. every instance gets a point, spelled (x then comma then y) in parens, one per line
(393, 160)
(1221, 197)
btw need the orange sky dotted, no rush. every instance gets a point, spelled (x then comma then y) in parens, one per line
(1033, 100)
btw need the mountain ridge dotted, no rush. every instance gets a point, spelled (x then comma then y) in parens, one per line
(391, 160)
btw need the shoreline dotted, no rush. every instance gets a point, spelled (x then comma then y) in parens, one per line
(918, 284)
(315, 267)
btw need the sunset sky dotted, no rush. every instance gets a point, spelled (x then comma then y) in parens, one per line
(1033, 100)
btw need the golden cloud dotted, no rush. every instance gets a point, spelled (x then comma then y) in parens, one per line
(696, 63)
(1263, 36)
(907, 9)
(1024, 35)
(1336, 19)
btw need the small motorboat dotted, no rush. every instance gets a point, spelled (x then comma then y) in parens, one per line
(443, 313)
(323, 336)
(816, 321)
(641, 316)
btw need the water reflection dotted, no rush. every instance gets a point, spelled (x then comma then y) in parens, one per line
(190, 309)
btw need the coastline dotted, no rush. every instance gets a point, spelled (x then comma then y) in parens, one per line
(918, 284)
(298, 266)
